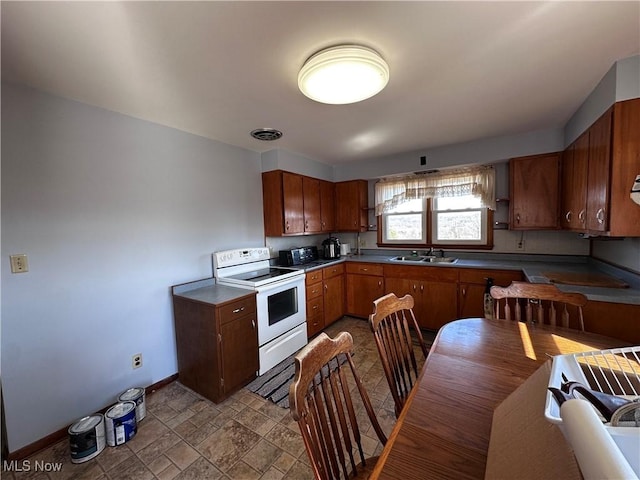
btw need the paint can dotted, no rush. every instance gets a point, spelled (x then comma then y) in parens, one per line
(137, 396)
(86, 438)
(120, 423)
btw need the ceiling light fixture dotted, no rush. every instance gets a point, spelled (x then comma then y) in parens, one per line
(343, 74)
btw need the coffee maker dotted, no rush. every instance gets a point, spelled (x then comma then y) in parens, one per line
(331, 248)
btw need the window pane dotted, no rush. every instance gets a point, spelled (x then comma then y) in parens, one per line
(404, 227)
(409, 206)
(456, 203)
(459, 225)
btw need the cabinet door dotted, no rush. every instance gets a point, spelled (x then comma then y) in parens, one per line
(327, 206)
(293, 203)
(534, 191)
(471, 300)
(351, 206)
(575, 163)
(599, 174)
(439, 304)
(333, 299)
(239, 352)
(362, 290)
(624, 214)
(311, 192)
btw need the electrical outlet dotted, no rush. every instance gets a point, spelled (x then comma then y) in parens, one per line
(520, 244)
(19, 263)
(136, 360)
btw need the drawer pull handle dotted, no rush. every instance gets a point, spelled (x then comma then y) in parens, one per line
(253, 324)
(600, 216)
(315, 307)
(581, 216)
(568, 216)
(238, 310)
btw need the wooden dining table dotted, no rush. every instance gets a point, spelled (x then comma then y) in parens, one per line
(474, 364)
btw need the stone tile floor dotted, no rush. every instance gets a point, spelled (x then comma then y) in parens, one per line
(186, 437)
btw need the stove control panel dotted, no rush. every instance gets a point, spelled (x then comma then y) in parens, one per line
(229, 258)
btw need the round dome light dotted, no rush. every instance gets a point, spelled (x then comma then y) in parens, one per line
(343, 74)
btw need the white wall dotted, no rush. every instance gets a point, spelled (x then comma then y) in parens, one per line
(624, 252)
(279, 159)
(487, 150)
(111, 212)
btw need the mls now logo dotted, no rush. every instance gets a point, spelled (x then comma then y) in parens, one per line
(28, 466)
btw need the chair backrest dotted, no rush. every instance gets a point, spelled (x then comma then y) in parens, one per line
(390, 322)
(537, 302)
(320, 401)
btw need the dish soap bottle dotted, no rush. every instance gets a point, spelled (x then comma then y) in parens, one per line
(488, 299)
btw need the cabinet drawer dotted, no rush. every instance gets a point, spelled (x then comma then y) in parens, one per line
(333, 271)
(500, 277)
(364, 268)
(314, 276)
(237, 309)
(314, 291)
(315, 307)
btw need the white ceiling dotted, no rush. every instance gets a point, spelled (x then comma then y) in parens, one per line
(460, 71)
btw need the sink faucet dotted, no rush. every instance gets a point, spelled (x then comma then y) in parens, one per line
(430, 252)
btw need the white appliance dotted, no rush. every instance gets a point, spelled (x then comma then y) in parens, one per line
(280, 298)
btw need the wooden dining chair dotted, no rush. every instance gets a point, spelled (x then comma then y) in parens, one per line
(391, 321)
(538, 303)
(320, 401)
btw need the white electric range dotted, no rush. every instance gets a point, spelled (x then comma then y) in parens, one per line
(280, 298)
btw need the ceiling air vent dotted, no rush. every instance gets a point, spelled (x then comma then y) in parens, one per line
(266, 134)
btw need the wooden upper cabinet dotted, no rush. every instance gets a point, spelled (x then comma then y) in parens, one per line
(351, 206)
(534, 182)
(296, 204)
(293, 201)
(599, 169)
(575, 164)
(599, 174)
(311, 205)
(624, 214)
(327, 206)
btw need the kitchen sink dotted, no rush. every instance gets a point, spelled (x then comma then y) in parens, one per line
(411, 258)
(441, 259)
(424, 259)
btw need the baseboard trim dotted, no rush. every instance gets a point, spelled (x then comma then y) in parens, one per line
(56, 436)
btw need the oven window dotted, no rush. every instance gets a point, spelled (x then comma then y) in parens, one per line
(282, 305)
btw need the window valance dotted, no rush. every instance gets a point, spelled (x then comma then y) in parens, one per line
(476, 181)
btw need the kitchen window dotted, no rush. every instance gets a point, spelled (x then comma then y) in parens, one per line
(451, 209)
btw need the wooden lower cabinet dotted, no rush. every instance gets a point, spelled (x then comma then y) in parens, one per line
(617, 320)
(365, 284)
(217, 345)
(333, 278)
(472, 284)
(434, 290)
(325, 297)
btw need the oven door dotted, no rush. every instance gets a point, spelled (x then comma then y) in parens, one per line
(281, 307)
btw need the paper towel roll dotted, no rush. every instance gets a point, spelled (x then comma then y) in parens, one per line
(598, 455)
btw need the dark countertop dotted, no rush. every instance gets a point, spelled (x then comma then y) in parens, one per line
(532, 266)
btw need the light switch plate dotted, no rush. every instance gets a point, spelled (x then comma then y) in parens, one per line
(19, 263)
